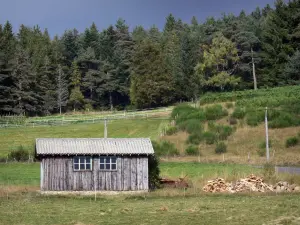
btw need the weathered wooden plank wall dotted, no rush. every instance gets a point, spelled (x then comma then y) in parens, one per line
(57, 174)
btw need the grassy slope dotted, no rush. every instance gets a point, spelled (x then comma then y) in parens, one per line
(30, 208)
(11, 138)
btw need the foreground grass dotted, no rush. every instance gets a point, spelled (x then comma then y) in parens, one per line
(11, 138)
(31, 208)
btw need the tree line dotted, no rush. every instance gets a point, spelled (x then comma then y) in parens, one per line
(115, 68)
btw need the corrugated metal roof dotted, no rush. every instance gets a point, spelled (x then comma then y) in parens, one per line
(93, 146)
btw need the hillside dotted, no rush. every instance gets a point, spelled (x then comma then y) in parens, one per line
(237, 119)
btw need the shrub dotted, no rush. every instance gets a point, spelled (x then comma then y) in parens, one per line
(223, 132)
(182, 110)
(232, 121)
(195, 138)
(192, 150)
(153, 168)
(191, 126)
(165, 148)
(229, 105)
(262, 145)
(20, 154)
(292, 141)
(171, 130)
(221, 148)
(215, 112)
(210, 138)
(239, 113)
(284, 120)
(254, 118)
(262, 148)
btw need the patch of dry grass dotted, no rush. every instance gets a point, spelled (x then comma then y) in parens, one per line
(243, 143)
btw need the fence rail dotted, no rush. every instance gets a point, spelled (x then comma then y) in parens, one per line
(88, 118)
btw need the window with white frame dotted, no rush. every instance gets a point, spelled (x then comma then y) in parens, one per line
(108, 163)
(82, 163)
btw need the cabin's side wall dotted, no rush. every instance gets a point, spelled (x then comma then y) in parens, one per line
(57, 174)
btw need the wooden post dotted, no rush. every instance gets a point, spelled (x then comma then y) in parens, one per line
(267, 135)
(253, 70)
(105, 128)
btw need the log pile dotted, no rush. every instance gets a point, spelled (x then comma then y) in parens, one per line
(251, 183)
(216, 185)
(283, 186)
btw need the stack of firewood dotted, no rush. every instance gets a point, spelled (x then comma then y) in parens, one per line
(250, 183)
(216, 185)
(283, 186)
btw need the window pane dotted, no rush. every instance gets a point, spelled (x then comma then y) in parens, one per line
(88, 159)
(88, 166)
(82, 166)
(101, 166)
(113, 160)
(76, 160)
(107, 166)
(81, 158)
(101, 159)
(113, 166)
(76, 166)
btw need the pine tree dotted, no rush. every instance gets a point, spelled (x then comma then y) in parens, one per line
(76, 97)
(25, 99)
(151, 85)
(7, 48)
(122, 62)
(62, 93)
(248, 43)
(291, 71)
(275, 46)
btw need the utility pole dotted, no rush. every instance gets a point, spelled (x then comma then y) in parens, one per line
(105, 128)
(267, 135)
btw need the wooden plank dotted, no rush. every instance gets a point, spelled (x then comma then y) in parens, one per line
(114, 181)
(145, 174)
(94, 175)
(133, 174)
(52, 174)
(126, 176)
(119, 174)
(102, 180)
(139, 173)
(58, 166)
(63, 174)
(108, 181)
(49, 174)
(66, 181)
(55, 173)
(70, 175)
(42, 175)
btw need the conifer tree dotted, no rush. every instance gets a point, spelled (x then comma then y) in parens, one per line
(76, 97)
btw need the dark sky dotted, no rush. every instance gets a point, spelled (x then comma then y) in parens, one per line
(59, 15)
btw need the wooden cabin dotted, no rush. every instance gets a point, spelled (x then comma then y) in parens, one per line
(94, 164)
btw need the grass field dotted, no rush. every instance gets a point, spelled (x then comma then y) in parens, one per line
(31, 208)
(11, 138)
(21, 204)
